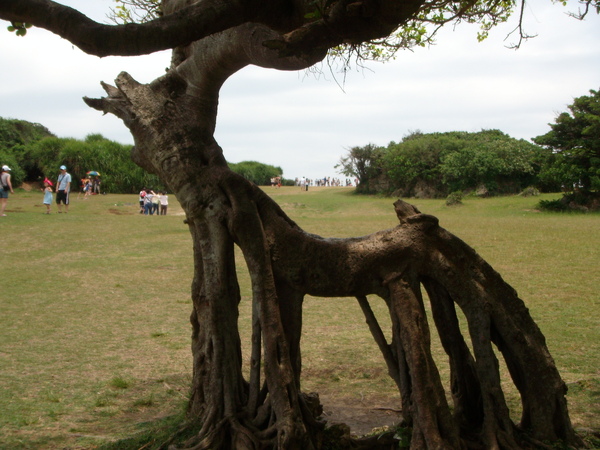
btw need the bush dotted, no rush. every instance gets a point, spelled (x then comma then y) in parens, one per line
(454, 199)
(530, 192)
(582, 201)
(552, 205)
(17, 174)
(256, 172)
(113, 160)
(488, 162)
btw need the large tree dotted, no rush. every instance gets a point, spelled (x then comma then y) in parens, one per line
(574, 139)
(172, 120)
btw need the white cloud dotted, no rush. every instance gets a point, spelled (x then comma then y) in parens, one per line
(304, 124)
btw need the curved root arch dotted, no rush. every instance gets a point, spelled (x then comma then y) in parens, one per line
(395, 264)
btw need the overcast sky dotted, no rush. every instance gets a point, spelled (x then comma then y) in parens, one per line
(303, 123)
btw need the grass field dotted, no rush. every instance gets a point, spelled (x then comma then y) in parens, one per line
(94, 307)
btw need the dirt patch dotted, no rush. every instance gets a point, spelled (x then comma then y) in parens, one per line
(120, 212)
(361, 415)
(29, 186)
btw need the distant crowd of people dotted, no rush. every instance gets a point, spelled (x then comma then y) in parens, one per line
(304, 182)
(153, 202)
(150, 202)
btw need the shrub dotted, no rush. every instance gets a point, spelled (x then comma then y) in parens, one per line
(552, 205)
(530, 192)
(433, 165)
(582, 201)
(256, 172)
(454, 199)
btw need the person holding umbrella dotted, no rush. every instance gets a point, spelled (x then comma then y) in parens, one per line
(95, 179)
(63, 186)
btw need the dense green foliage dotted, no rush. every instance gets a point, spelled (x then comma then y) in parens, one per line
(574, 140)
(256, 172)
(111, 159)
(433, 165)
(577, 201)
(15, 138)
(362, 163)
(33, 153)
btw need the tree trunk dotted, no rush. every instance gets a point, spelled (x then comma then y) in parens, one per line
(173, 139)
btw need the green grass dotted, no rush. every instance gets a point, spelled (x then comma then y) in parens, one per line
(94, 307)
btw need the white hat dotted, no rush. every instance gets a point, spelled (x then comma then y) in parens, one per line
(5, 167)
(63, 167)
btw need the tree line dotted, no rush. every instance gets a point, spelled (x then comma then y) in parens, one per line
(33, 153)
(435, 164)
(488, 162)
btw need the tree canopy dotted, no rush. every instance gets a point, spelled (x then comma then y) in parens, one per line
(362, 163)
(574, 140)
(372, 29)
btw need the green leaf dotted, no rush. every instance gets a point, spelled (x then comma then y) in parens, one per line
(313, 15)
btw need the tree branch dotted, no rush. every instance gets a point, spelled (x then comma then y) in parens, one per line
(189, 24)
(349, 22)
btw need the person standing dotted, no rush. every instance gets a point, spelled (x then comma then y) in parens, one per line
(63, 186)
(141, 200)
(96, 185)
(5, 186)
(148, 202)
(164, 203)
(155, 203)
(47, 194)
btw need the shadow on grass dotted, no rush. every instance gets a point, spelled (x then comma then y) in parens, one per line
(157, 434)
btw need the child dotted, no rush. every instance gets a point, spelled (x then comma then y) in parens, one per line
(141, 199)
(87, 188)
(47, 194)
